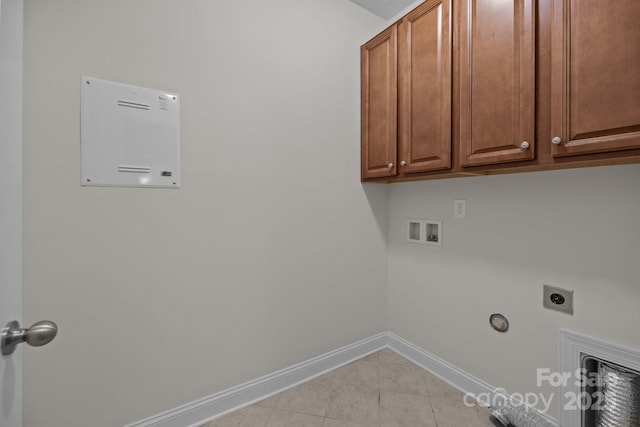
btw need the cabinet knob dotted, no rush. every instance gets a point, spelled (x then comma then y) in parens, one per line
(556, 140)
(403, 163)
(390, 165)
(524, 145)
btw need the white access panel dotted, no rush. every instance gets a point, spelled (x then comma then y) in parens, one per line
(130, 136)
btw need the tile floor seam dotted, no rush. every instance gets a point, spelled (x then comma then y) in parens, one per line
(266, 423)
(433, 412)
(406, 393)
(302, 413)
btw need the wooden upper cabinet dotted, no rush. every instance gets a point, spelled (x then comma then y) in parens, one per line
(595, 73)
(379, 94)
(497, 81)
(424, 39)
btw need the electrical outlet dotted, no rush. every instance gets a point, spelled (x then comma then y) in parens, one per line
(557, 299)
(459, 208)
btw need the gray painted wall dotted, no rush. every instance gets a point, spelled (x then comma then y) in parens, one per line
(272, 251)
(575, 229)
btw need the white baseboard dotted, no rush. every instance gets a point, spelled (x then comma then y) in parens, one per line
(453, 375)
(196, 413)
(450, 374)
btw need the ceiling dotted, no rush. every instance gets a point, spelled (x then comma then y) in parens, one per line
(386, 9)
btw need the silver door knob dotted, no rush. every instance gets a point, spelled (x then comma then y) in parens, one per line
(556, 140)
(403, 163)
(390, 165)
(40, 333)
(524, 145)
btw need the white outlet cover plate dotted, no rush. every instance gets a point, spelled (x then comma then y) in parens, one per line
(459, 208)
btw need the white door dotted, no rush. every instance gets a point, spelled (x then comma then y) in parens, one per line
(11, 203)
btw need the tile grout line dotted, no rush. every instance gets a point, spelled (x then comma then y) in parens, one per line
(433, 411)
(270, 415)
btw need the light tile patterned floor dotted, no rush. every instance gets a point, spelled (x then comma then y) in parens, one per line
(380, 390)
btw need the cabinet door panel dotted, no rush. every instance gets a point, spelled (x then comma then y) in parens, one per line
(425, 80)
(379, 105)
(497, 81)
(595, 76)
